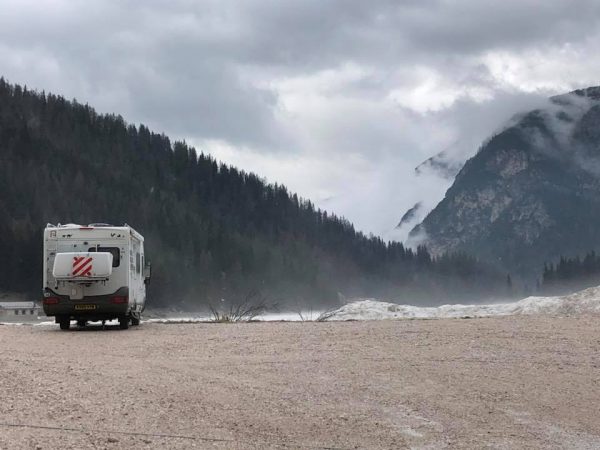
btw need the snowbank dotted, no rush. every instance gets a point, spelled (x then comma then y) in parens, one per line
(267, 317)
(583, 302)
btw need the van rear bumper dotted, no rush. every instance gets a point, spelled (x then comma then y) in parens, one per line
(92, 307)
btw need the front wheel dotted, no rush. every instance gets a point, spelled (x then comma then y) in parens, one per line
(123, 322)
(65, 324)
(135, 321)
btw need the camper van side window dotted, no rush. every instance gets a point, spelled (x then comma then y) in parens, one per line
(114, 250)
(138, 263)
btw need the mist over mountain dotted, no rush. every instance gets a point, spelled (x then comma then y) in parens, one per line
(440, 169)
(212, 231)
(410, 215)
(530, 194)
(442, 164)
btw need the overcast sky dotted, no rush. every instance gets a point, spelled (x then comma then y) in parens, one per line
(339, 100)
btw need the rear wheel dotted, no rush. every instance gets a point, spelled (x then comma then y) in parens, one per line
(123, 322)
(65, 323)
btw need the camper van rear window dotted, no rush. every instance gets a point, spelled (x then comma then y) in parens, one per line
(114, 250)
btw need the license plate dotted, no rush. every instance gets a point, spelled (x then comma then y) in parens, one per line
(85, 307)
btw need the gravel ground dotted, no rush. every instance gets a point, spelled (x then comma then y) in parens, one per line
(511, 382)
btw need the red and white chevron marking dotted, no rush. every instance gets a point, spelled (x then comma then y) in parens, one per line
(82, 266)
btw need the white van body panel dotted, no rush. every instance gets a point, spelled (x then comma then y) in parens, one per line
(82, 267)
(117, 265)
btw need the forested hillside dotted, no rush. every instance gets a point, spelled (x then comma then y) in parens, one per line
(570, 274)
(212, 231)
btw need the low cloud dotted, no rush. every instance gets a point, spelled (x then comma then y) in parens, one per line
(338, 100)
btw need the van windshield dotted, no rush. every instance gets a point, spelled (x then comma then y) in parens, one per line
(114, 250)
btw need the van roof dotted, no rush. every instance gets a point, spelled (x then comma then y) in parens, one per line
(92, 226)
(72, 226)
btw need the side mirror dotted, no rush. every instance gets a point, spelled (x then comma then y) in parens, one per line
(147, 272)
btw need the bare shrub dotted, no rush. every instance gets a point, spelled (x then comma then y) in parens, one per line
(305, 315)
(309, 314)
(326, 315)
(242, 309)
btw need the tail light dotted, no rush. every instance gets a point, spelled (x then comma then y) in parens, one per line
(118, 299)
(51, 301)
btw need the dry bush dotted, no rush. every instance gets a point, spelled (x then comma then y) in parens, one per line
(305, 315)
(326, 315)
(242, 309)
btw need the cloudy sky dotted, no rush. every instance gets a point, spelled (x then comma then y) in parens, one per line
(339, 100)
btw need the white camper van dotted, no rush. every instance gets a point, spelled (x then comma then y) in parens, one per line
(94, 273)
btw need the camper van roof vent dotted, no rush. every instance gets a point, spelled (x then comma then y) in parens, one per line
(100, 225)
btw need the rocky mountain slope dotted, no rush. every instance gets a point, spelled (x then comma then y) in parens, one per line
(531, 193)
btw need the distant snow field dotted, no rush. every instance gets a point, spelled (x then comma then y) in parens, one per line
(267, 317)
(583, 302)
(176, 318)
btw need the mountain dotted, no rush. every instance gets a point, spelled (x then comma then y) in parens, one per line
(410, 215)
(438, 170)
(530, 194)
(442, 164)
(212, 231)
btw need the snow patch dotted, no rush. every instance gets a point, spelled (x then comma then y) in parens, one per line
(583, 302)
(267, 317)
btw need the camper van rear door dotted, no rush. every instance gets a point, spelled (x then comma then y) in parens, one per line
(82, 265)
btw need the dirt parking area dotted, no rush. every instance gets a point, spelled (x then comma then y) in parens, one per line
(512, 382)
